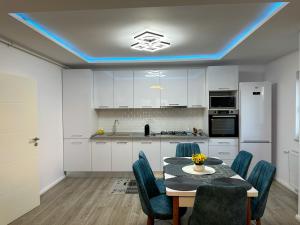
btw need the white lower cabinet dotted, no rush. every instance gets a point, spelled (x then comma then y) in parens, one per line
(151, 148)
(203, 145)
(101, 155)
(122, 155)
(77, 155)
(168, 148)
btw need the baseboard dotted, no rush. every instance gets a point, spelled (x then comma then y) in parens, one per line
(286, 185)
(297, 217)
(45, 189)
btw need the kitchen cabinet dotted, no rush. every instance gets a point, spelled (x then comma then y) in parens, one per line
(203, 145)
(123, 89)
(173, 85)
(122, 155)
(79, 117)
(103, 89)
(77, 155)
(224, 148)
(294, 169)
(196, 88)
(101, 155)
(168, 148)
(151, 148)
(146, 89)
(222, 78)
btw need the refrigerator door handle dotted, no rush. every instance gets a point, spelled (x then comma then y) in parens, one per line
(256, 141)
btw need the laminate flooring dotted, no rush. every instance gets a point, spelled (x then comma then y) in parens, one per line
(88, 201)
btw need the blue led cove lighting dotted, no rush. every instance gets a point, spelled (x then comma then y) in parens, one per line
(266, 14)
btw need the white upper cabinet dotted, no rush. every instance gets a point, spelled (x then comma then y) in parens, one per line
(103, 89)
(123, 89)
(173, 84)
(146, 89)
(196, 88)
(222, 78)
(79, 117)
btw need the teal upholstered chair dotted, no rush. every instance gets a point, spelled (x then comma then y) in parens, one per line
(187, 149)
(159, 182)
(241, 163)
(261, 179)
(219, 205)
(154, 204)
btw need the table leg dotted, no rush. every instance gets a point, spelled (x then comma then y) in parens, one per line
(176, 217)
(249, 211)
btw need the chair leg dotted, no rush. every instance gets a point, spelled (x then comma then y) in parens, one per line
(258, 222)
(150, 220)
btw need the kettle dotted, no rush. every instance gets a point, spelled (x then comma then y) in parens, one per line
(147, 130)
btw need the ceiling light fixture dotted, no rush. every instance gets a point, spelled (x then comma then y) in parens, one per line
(150, 42)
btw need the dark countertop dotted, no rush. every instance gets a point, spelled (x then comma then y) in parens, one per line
(135, 135)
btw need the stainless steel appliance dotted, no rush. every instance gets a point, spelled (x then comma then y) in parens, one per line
(223, 123)
(222, 100)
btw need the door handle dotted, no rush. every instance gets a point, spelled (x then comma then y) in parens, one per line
(34, 141)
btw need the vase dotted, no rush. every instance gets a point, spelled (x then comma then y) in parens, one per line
(199, 168)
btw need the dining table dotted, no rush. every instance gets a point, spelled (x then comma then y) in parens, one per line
(174, 167)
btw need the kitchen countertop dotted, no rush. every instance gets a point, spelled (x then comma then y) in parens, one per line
(135, 135)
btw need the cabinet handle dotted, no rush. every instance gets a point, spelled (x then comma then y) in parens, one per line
(146, 142)
(223, 88)
(199, 142)
(174, 142)
(286, 152)
(76, 142)
(76, 135)
(123, 106)
(224, 153)
(197, 106)
(223, 142)
(103, 106)
(122, 142)
(145, 106)
(101, 142)
(173, 104)
(295, 152)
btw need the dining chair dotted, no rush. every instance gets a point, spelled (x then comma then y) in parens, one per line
(219, 205)
(187, 149)
(154, 204)
(241, 163)
(261, 179)
(159, 182)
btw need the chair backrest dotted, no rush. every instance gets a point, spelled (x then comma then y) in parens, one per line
(146, 184)
(143, 156)
(219, 205)
(241, 163)
(261, 179)
(187, 149)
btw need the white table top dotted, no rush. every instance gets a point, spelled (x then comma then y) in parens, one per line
(170, 192)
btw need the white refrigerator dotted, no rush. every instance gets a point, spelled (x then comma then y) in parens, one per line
(256, 120)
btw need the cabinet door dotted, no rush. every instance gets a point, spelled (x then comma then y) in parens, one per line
(122, 155)
(203, 145)
(173, 88)
(294, 169)
(222, 78)
(103, 89)
(77, 155)
(78, 113)
(146, 89)
(151, 148)
(223, 152)
(123, 89)
(196, 88)
(101, 155)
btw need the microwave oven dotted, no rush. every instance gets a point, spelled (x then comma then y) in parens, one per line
(222, 102)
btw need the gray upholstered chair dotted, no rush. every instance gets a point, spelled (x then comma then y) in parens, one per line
(241, 163)
(154, 204)
(261, 179)
(187, 149)
(219, 205)
(159, 182)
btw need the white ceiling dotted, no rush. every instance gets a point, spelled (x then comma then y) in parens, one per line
(190, 29)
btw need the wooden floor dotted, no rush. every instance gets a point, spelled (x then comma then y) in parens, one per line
(88, 201)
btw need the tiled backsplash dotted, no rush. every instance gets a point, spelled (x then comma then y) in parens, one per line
(134, 120)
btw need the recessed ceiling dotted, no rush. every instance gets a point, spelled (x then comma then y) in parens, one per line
(196, 32)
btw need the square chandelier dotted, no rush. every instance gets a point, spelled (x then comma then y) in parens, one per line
(150, 42)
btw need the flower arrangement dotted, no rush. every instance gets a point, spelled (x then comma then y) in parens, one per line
(199, 159)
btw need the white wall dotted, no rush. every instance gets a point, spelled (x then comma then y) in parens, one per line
(251, 73)
(282, 73)
(48, 77)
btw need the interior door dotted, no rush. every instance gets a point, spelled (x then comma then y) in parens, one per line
(19, 187)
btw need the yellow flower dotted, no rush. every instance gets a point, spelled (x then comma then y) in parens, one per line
(199, 158)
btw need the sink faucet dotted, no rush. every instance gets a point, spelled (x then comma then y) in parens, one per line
(116, 123)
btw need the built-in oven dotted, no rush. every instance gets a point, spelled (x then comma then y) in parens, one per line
(222, 102)
(223, 123)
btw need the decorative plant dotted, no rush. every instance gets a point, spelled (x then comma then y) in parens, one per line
(199, 159)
